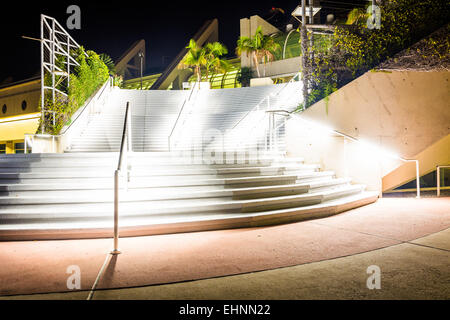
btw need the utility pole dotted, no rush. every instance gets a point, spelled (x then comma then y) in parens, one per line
(304, 40)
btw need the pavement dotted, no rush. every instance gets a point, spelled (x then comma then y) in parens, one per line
(408, 239)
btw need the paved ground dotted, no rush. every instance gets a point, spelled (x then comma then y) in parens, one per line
(328, 258)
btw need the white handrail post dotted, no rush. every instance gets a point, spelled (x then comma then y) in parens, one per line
(417, 179)
(438, 181)
(116, 213)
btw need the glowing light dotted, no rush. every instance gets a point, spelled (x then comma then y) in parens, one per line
(21, 117)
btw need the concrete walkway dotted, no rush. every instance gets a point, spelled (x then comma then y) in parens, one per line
(328, 258)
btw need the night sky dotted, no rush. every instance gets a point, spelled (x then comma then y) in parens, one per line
(111, 27)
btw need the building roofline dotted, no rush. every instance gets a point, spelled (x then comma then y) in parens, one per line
(20, 82)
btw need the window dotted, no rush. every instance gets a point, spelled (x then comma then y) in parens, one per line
(19, 147)
(4, 108)
(24, 105)
(2, 148)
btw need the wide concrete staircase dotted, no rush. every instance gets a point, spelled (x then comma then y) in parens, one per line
(157, 115)
(190, 188)
(48, 196)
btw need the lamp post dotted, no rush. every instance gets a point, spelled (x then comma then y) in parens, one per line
(141, 56)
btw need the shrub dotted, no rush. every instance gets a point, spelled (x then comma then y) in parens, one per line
(357, 49)
(84, 81)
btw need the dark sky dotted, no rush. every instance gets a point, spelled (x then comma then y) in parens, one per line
(111, 27)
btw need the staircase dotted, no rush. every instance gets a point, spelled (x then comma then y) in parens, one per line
(154, 114)
(62, 196)
(190, 188)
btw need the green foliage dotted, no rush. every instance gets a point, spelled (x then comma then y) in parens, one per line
(195, 58)
(213, 53)
(354, 50)
(244, 76)
(207, 58)
(403, 22)
(260, 47)
(109, 63)
(117, 81)
(358, 16)
(84, 81)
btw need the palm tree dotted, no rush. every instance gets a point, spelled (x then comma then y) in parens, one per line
(195, 58)
(358, 16)
(213, 52)
(260, 47)
(108, 62)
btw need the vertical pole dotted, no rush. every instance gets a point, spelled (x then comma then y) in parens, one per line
(417, 179)
(116, 213)
(42, 75)
(438, 181)
(53, 61)
(304, 53)
(68, 62)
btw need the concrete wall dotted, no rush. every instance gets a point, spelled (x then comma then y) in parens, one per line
(280, 68)
(402, 111)
(436, 154)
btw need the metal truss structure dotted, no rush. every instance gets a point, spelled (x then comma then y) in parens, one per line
(56, 63)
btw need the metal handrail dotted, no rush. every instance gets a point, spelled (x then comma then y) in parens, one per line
(94, 97)
(188, 98)
(438, 178)
(358, 141)
(256, 108)
(67, 130)
(126, 138)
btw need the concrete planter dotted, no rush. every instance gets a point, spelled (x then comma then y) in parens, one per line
(257, 82)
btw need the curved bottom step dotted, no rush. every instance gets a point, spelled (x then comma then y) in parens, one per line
(204, 223)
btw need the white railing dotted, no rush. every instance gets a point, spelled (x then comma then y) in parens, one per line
(260, 122)
(80, 119)
(355, 140)
(125, 148)
(438, 179)
(185, 111)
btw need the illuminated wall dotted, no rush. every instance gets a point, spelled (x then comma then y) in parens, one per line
(405, 112)
(19, 114)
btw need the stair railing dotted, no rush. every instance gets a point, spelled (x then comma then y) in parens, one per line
(80, 119)
(356, 140)
(183, 110)
(261, 117)
(125, 148)
(438, 178)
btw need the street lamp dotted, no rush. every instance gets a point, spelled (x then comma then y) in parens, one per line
(141, 56)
